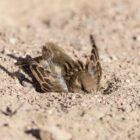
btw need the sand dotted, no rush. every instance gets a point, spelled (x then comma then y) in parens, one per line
(113, 113)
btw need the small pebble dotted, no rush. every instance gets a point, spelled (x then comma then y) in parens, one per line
(12, 40)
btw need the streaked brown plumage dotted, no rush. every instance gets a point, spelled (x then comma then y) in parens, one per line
(58, 72)
(47, 74)
(89, 75)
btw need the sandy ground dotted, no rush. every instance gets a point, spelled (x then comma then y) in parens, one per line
(111, 114)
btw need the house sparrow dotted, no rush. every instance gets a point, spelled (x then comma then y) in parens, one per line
(46, 73)
(88, 76)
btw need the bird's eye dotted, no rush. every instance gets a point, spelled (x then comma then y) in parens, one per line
(44, 48)
(82, 87)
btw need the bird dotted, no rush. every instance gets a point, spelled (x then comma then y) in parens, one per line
(87, 77)
(48, 75)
